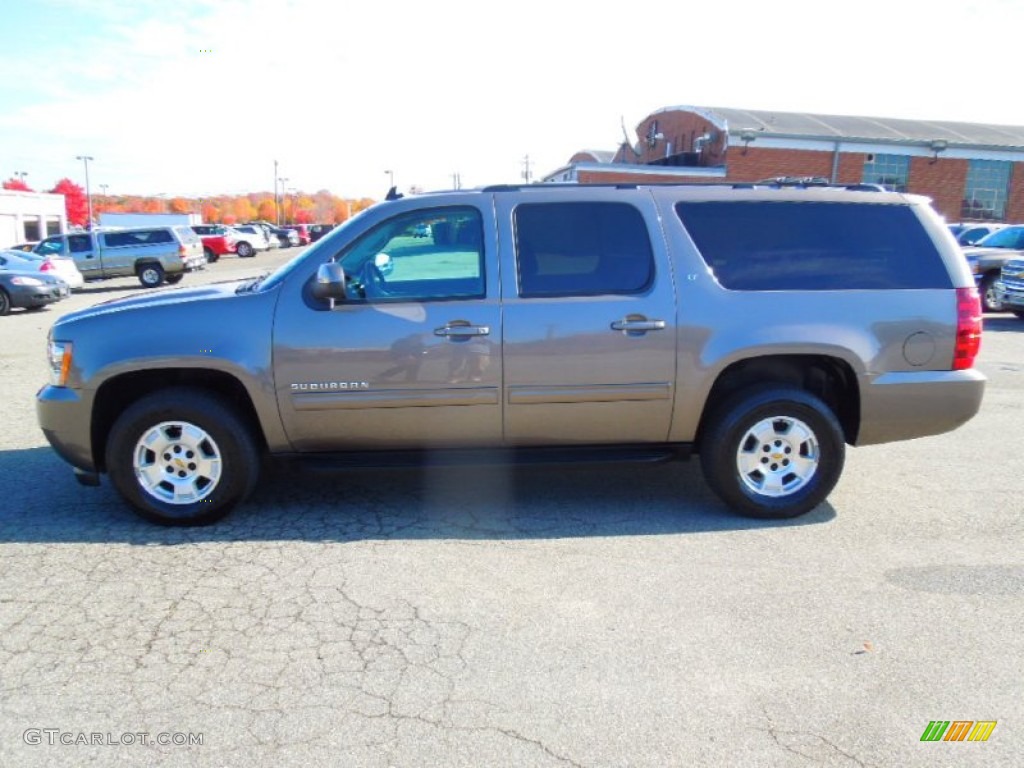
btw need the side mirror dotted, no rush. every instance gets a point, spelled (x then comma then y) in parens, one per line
(330, 282)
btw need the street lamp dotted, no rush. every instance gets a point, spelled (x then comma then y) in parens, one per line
(391, 178)
(283, 180)
(21, 175)
(88, 195)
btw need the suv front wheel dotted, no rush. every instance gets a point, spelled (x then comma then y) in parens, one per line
(182, 456)
(772, 452)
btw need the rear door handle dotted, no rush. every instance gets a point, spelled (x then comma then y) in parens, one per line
(630, 325)
(459, 331)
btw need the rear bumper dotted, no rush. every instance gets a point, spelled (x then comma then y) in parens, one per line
(901, 406)
(64, 416)
(28, 296)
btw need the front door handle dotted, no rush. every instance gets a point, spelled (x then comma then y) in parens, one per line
(460, 331)
(638, 325)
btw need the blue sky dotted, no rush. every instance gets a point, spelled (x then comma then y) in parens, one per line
(197, 98)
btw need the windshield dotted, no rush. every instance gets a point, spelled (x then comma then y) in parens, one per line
(1011, 237)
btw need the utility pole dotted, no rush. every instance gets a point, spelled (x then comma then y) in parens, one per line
(88, 195)
(104, 188)
(391, 178)
(456, 180)
(277, 207)
(526, 169)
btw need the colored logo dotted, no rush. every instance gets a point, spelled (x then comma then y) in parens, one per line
(959, 730)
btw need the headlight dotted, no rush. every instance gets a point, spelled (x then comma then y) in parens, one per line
(59, 353)
(26, 281)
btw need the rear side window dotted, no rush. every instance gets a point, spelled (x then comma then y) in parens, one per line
(186, 235)
(807, 246)
(582, 249)
(138, 237)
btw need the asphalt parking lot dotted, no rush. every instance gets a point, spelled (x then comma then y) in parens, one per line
(597, 616)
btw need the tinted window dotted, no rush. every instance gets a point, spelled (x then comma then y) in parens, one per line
(428, 254)
(759, 246)
(79, 243)
(51, 246)
(1011, 237)
(581, 249)
(138, 237)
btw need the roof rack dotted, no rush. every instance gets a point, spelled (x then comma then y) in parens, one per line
(796, 182)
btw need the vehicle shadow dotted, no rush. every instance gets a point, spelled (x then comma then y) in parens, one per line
(1003, 324)
(475, 503)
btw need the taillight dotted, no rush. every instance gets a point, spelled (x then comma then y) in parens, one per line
(182, 251)
(968, 328)
(47, 266)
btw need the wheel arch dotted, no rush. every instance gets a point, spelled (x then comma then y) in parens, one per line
(829, 378)
(118, 393)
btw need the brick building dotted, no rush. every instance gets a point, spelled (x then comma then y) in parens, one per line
(971, 171)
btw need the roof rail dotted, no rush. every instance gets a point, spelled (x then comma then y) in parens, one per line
(798, 182)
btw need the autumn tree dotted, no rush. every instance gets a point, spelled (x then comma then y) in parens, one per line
(75, 204)
(244, 210)
(152, 205)
(181, 205)
(211, 213)
(266, 210)
(18, 185)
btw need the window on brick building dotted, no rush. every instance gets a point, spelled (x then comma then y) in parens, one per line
(891, 171)
(986, 191)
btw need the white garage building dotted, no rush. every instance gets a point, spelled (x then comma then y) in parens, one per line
(28, 216)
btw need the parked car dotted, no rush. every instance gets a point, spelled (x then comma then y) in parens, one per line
(987, 258)
(29, 289)
(303, 232)
(217, 239)
(1010, 288)
(24, 246)
(59, 266)
(316, 231)
(250, 238)
(288, 238)
(153, 254)
(642, 322)
(969, 233)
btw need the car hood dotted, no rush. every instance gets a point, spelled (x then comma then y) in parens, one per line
(160, 298)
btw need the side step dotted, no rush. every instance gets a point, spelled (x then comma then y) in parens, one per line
(469, 457)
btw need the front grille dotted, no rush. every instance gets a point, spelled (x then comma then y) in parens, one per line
(1013, 275)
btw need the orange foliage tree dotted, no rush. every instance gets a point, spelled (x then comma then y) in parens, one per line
(266, 210)
(17, 185)
(181, 205)
(244, 210)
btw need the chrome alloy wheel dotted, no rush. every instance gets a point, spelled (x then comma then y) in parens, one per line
(778, 456)
(177, 463)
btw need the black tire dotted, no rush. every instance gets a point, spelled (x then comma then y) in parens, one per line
(728, 440)
(228, 439)
(151, 275)
(244, 250)
(989, 302)
(5, 303)
(211, 257)
(1019, 313)
(175, 278)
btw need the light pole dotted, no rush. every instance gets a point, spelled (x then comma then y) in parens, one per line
(277, 207)
(21, 175)
(391, 178)
(88, 195)
(283, 180)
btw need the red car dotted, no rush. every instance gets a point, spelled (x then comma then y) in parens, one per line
(303, 230)
(217, 241)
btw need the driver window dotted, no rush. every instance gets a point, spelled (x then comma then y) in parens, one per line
(432, 254)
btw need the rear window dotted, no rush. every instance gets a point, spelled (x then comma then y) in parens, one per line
(186, 234)
(809, 246)
(138, 237)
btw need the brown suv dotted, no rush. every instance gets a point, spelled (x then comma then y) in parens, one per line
(763, 328)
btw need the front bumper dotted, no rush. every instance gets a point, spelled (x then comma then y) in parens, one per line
(1010, 298)
(902, 406)
(64, 415)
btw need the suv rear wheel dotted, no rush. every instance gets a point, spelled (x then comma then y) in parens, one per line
(182, 456)
(772, 452)
(244, 250)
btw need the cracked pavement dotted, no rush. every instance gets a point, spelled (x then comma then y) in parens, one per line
(594, 616)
